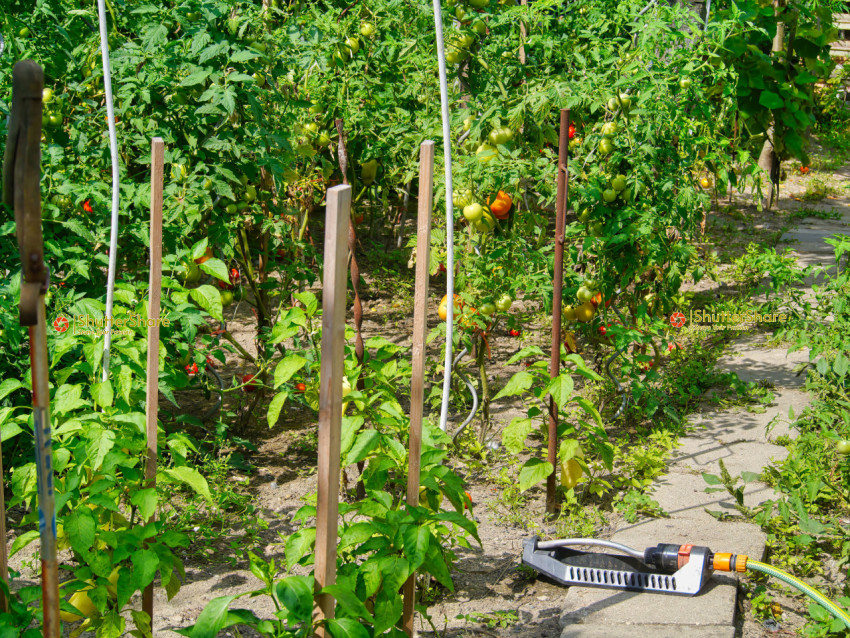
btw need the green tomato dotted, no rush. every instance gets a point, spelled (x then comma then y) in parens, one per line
(465, 41)
(55, 119)
(179, 172)
(597, 229)
(626, 194)
(591, 284)
(250, 193)
(473, 212)
(24, 32)
(584, 294)
(260, 79)
(353, 45)
(486, 224)
(311, 128)
(208, 184)
(323, 139)
(316, 108)
(455, 55)
(47, 95)
(619, 183)
(487, 309)
(460, 14)
(843, 447)
(467, 123)
(609, 195)
(504, 303)
(193, 274)
(226, 298)
(685, 83)
(625, 101)
(584, 215)
(609, 128)
(231, 209)
(613, 104)
(367, 30)
(462, 199)
(606, 145)
(486, 153)
(479, 26)
(259, 46)
(479, 4)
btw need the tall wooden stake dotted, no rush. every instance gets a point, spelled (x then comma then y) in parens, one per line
(420, 331)
(330, 396)
(557, 289)
(154, 292)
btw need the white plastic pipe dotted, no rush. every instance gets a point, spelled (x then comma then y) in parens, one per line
(450, 226)
(113, 147)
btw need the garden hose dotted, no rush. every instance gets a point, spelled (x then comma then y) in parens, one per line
(811, 592)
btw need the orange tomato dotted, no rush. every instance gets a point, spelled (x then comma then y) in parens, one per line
(442, 310)
(501, 206)
(597, 299)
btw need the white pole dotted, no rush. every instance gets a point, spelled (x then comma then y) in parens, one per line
(113, 147)
(450, 244)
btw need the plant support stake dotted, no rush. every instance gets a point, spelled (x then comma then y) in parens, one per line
(334, 285)
(420, 332)
(557, 297)
(154, 293)
(22, 193)
(450, 226)
(113, 149)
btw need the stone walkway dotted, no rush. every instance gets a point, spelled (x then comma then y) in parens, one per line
(739, 438)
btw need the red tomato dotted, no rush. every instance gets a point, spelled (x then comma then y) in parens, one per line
(515, 333)
(300, 387)
(211, 362)
(597, 299)
(234, 276)
(87, 206)
(602, 330)
(571, 131)
(249, 383)
(192, 369)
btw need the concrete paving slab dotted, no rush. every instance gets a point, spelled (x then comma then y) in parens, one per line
(683, 495)
(648, 631)
(714, 605)
(753, 362)
(719, 536)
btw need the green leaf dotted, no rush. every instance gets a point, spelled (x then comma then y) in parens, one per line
(217, 268)
(711, 479)
(287, 367)
(102, 394)
(67, 399)
(346, 628)
(840, 365)
(366, 441)
(145, 563)
(532, 472)
(416, 542)
(515, 434)
(299, 544)
(357, 534)
(22, 541)
(212, 618)
(518, 384)
(8, 386)
(388, 608)
(80, 529)
(568, 449)
(100, 442)
(192, 478)
(561, 389)
(295, 594)
(350, 603)
(770, 100)
(145, 500)
(275, 406)
(209, 299)
(590, 409)
(310, 302)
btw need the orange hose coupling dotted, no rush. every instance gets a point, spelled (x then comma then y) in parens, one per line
(727, 562)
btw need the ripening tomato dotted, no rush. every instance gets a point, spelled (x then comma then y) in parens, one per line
(300, 387)
(442, 310)
(501, 206)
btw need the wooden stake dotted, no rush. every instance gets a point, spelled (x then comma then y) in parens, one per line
(335, 283)
(563, 185)
(154, 291)
(4, 568)
(420, 331)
